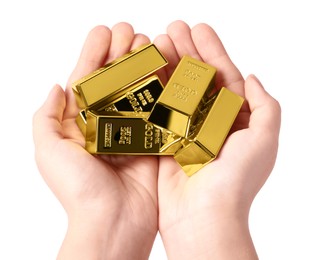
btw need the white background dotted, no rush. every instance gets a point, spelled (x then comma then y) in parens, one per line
(39, 45)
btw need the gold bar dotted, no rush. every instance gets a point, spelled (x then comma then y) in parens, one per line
(127, 133)
(207, 139)
(185, 93)
(141, 97)
(112, 80)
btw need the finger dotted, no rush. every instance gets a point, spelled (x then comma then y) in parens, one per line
(180, 34)
(213, 52)
(139, 39)
(166, 46)
(265, 116)
(93, 54)
(47, 120)
(122, 38)
(92, 57)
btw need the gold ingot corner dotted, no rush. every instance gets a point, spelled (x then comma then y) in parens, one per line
(205, 143)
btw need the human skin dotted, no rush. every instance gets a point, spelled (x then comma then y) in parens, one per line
(110, 201)
(205, 216)
(116, 204)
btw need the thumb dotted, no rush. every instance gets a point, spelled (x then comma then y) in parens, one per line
(47, 120)
(265, 110)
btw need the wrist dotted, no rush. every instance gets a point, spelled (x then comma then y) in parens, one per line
(105, 237)
(219, 234)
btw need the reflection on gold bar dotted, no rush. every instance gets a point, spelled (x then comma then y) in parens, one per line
(127, 133)
(184, 95)
(207, 139)
(81, 121)
(112, 80)
(141, 97)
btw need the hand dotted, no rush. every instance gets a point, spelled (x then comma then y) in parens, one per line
(111, 201)
(206, 216)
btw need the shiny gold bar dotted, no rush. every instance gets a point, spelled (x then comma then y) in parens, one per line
(185, 93)
(111, 81)
(141, 97)
(127, 133)
(207, 139)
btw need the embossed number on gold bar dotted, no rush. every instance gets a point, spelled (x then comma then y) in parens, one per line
(127, 133)
(126, 109)
(141, 97)
(186, 91)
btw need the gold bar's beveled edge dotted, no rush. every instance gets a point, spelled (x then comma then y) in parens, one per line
(78, 99)
(203, 155)
(161, 111)
(77, 88)
(111, 64)
(92, 140)
(200, 157)
(164, 100)
(219, 120)
(81, 121)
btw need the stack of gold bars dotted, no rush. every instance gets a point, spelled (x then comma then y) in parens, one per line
(125, 109)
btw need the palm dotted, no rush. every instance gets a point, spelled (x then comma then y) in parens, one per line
(106, 173)
(225, 180)
(122, 177)
(126, 184)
